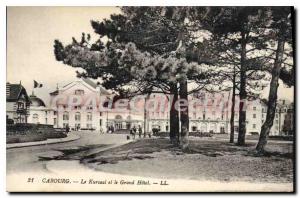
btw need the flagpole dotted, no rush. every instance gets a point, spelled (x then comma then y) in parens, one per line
(33, 89)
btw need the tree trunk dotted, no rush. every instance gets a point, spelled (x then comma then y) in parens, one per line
(174, 117)
(184, 116)
(146, 117)
(265, 129)
(232, 108)
(243, 94)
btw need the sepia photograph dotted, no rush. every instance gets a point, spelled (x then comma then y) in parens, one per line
(150, 99)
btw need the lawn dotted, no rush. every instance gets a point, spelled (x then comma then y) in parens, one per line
(206, 160)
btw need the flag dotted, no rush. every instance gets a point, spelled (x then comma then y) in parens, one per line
(36, 84)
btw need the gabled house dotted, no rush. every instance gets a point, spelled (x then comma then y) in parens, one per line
(17, 103)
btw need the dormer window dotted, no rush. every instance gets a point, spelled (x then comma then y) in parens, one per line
(79, 92)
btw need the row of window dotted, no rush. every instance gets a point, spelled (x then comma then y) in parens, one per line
(78, 125)
(89, 116)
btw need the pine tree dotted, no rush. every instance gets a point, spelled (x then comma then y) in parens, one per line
(281, 33)
(145, 51)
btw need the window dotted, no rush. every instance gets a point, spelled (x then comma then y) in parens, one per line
(46, 121)
(276, 121)
(276, 115)
(66, 116)
(236, 128)
(90, 107)
(254, 115)
(254, 108)
(167, 128)
(100, 122)
(20, 105)
(254, 126)
(262, 121)
(77, 107)
(54, 121)
(203, 116)
(79, 92)
(89, 116)
(35, 118)
(77, 116)
(100, 114)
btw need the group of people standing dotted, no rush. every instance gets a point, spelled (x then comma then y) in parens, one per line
(134, 130)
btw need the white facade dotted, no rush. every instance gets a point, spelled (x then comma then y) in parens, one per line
(283, 121)
(206, 115)
(74, 106)
(41, 115)
(38, 112)
(214, 116)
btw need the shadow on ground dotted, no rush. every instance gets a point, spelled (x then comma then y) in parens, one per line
(205, 159)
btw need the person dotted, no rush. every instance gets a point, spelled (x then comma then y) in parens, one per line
(140, 131)
(112, 129)
(133, 132)
(67, 128)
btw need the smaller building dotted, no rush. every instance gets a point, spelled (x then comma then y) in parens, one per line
(39, 112)
(17, 103)
(283, 121)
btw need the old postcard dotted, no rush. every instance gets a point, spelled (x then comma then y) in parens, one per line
(150, 99)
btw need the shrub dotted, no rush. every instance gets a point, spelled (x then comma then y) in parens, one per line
(9, 121)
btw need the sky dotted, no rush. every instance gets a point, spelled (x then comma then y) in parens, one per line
(31, 32)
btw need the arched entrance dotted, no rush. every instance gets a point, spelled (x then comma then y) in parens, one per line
(118, 122)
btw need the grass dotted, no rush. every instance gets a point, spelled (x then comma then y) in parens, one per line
(206, 159)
